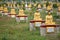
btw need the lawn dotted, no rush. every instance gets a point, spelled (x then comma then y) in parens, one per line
(11, 30)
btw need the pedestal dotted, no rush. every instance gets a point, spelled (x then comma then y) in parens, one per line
(40, 9)
(5, 13)
(49, 11)
(49, 29)
(12, 15)
(28, 8)
(33, 25)
(21, 18)
(1, 12)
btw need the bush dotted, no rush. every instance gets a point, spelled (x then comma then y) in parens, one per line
(55, 5)
(47, 3)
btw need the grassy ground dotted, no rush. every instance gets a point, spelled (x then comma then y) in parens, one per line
(11, 30)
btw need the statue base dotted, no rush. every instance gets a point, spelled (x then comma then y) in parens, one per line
(21, 18)
(36, 23)
(12, 15)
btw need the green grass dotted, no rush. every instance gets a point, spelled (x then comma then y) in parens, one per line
(11, 30)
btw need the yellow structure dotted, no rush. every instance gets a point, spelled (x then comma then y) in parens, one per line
(37, 16)
(1, 8)
(35, 4)
(5, 9)
(49, 8)
(21, 12)
(29, 6)
(44, 5)
(58, 4)
(8, 3)
(13, 11)
(49, 19)
(39, 6)
(59, 9)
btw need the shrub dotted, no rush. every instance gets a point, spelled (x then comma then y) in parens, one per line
(55, 5)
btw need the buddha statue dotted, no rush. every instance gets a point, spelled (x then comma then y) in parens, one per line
(13, 11)
(35, 4)
(49, 7)
(49, 19)
(1, 8)
(44, 6)
(21, 12)
(58, 4)
(37, 15)
(5, 9)
(39, 6)
(29, 6)
(22, 2)
(58, 12)
(59, 9)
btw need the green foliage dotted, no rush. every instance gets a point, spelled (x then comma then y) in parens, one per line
(47, 3)
(55, 5)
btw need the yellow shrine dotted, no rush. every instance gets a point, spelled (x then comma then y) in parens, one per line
(13, 11)
(59, 9)
(29, 6)
(39, 6)
(44, 5)
(49, 19)
(1, 8)
(49, 7)
(21, 12)
(5, 9)
(35, 4)
(37, 16)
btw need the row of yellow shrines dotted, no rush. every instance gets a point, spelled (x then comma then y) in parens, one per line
(48, 8)
(22, 15)
(12, 13)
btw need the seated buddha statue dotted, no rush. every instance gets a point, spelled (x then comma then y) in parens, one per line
(29, 6)
(59, 9)
(44, 6)
(37, 15)
(49, 19)
(1, 8)
(35, 4)
(5, 9)
(21, 12)
(48, 8)
(39, 6)
(13, 11)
